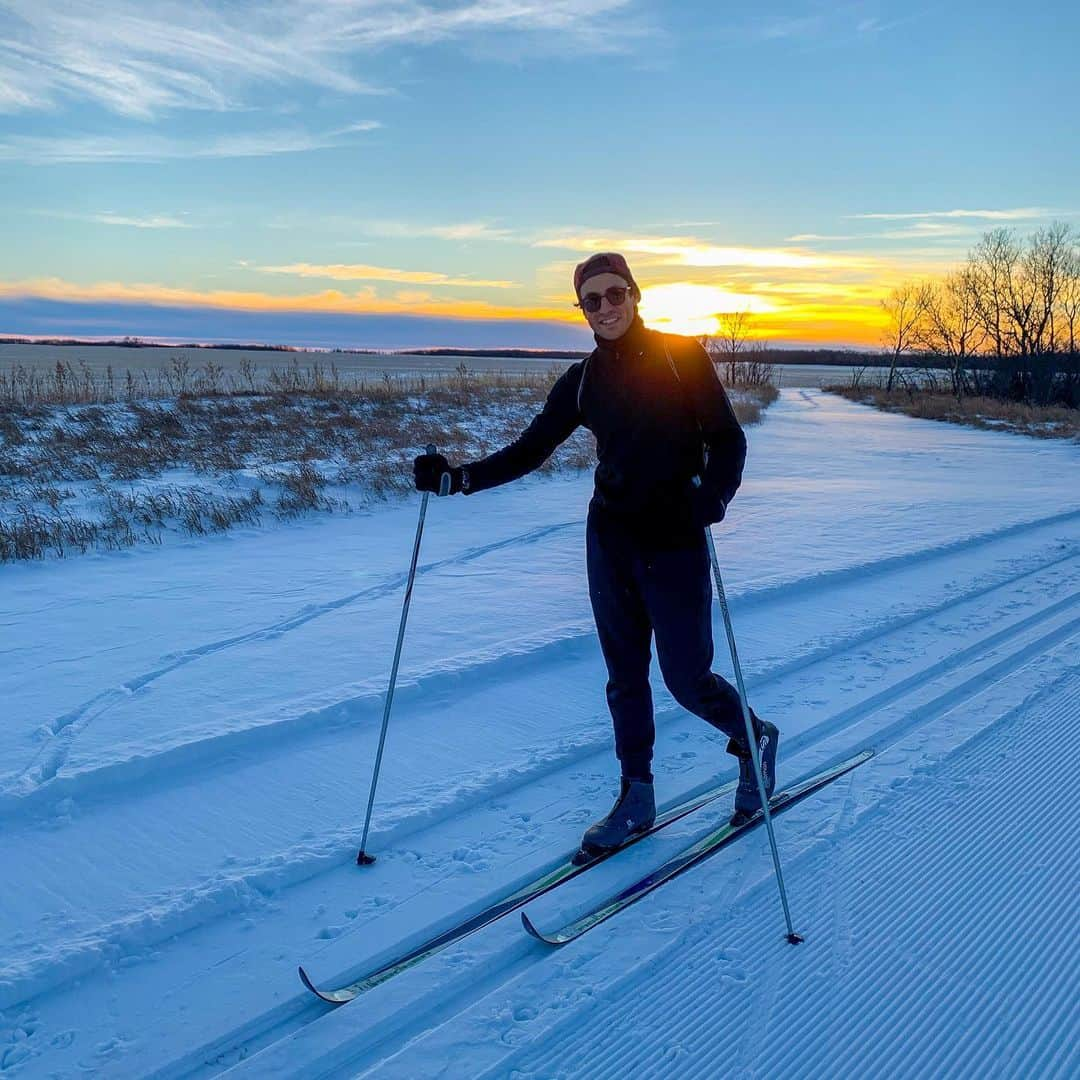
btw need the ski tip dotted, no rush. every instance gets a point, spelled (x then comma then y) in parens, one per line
(527, 923)
(539, 935)
(331, 997)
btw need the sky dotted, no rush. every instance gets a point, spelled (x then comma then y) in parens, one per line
(396, 173)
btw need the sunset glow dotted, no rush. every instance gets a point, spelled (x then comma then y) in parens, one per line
(687, 308)
(404, 173)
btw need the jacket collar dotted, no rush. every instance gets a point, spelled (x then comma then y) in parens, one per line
(631, 343)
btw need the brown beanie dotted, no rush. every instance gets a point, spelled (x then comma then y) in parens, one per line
(604, 262)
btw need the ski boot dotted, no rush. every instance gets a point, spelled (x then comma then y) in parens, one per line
(747, 799)
(634, 812)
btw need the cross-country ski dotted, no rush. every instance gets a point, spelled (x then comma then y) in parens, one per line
(696, 853)
(571, 867)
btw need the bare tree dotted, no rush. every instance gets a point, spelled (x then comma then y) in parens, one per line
(1018, 288)
(1070, 294)
(950, 325)
(904, 309)
(993, 263)
(731, 342)
(1046, 266)
(1018, 301)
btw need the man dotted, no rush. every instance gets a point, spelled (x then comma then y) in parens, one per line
(654, 403)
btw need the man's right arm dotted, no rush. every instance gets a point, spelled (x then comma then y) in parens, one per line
(553, 425)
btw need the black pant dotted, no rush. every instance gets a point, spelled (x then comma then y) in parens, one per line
(637, 590)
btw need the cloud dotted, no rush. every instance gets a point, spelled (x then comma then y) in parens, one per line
(809, 237)
(358, 302)
(920, 230)
(689, 251)
(362, 272)
(465, 230)
(838, 23)
(141, 58)
(1023, 213)
(66, 149)
(772, 27)
(457, 232)
(109, 217)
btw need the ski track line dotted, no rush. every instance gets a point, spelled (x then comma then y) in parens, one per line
(65, 727)
(879, 1034)
(179, 762)
(255, 1037)
(224, 893)
(40, 780)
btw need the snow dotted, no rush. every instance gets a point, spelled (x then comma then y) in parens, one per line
(188, 733)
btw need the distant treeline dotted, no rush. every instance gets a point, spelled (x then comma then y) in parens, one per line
(139, 343)
(831, 357)
(768, 354)
(520, 354)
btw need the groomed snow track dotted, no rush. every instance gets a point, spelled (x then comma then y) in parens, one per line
(936, 902)
(928, 693)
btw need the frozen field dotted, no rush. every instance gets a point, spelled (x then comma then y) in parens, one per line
(352, 365)
(187, 735)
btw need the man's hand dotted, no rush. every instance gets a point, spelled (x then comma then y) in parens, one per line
(706, 507)
(428, 471)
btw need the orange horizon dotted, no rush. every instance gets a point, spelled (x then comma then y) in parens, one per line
(859, 322)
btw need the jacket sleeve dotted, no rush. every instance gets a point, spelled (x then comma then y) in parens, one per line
(553, 425)
(720, 428)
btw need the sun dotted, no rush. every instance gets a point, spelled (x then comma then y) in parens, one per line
(683, 307)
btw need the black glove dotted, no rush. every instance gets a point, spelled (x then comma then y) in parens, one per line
(706, 507)
(429, 469)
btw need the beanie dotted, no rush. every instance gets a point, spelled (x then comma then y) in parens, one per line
(604, 262)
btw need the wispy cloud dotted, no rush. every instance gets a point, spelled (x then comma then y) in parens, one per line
(145, 57)
(689, 251)
(44, 149)
(810, 237)
(1021, 213)
(363, 272)
(110, 217)
(463, 230)
(919, 230)
(836, 22)
(771, 27)
(361, 301)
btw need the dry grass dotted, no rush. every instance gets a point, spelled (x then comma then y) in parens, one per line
(751, 401)
(1042, 421)
(126, 518)
(311, 433)
(64, 383)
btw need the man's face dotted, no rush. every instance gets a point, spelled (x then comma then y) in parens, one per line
(611, 320)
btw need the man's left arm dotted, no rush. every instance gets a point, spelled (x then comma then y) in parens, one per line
(720, 430)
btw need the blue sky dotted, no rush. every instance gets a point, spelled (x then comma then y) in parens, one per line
(400, 173)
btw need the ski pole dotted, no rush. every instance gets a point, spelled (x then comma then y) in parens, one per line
(363, 858)
(755, 757)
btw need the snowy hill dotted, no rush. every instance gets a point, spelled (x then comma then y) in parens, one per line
(188, 734)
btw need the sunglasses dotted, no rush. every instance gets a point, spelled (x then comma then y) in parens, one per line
(616, 296)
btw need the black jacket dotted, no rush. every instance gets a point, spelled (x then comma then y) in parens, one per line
(650, 429)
